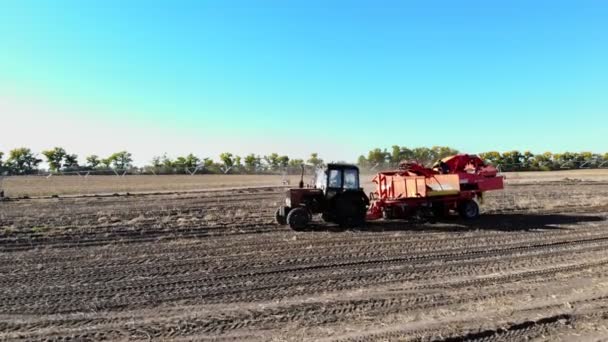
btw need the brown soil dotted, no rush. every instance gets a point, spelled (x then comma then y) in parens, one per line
(213, 265)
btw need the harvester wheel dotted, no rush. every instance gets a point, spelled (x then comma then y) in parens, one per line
(298, 218)
(468, 210)
(280, 216)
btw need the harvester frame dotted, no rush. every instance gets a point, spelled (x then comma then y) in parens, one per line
(455, 183)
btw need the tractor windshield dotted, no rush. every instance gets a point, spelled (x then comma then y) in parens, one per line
(335, 179)
(351, 179)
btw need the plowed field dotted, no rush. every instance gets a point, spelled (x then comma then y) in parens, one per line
(212, 265)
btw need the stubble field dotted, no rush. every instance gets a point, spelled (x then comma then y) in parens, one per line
(201, 258)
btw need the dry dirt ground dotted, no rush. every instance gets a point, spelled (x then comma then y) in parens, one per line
(212, 265)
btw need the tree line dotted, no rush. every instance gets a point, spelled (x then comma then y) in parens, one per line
(506, 161)
(23, 161)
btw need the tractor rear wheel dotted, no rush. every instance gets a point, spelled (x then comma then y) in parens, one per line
(298, 218)
(350, 210)
(468, 210)
(280, 216)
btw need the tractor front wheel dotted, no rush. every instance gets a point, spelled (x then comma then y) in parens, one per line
(280, 215)
(468, 210)
(298, 218)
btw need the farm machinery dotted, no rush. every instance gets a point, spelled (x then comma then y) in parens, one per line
(455, 183)
(336, 195)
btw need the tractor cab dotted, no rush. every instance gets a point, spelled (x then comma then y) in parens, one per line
(337, 178)
(336, 195)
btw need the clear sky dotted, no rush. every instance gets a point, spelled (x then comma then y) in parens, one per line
(334, 77)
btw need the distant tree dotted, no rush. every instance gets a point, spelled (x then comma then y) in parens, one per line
(106, 163)
(512, 160)
(527, 160)
(22, 161)
(238, 164)
(252, 162)
(400, 154)
(541, 161)
(93, 161)
(54, 158)
(185, 163)
(180, 163)
(378, 158)
(424, 155)
(440, 152)
(166, 162)
(70, 162)
(156, 162)
(314, 160)
(227, 161)
(295, 162)
(272, 161)
(283, 161)
(1, 162)
(208, 164)
(362, 162)
(120, 160)
(192, 161)
(491, 157)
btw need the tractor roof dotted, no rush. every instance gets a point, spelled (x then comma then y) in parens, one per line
(341, 166)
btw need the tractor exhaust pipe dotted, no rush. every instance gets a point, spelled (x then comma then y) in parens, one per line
(301, 184)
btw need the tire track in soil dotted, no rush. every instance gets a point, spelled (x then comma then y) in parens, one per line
(183, 263)
(307, 314)
(266, 288)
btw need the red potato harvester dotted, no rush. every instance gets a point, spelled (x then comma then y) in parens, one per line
(454, 183)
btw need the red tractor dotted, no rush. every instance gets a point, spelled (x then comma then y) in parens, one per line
(337, 196)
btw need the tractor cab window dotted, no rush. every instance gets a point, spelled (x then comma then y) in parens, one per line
(320, 179)
(351, 179)
(335, 179)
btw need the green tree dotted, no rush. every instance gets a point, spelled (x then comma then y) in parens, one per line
(1, 162)
(283, 161)
(238, 164)
(252, 162)
(272, 161)
(106, 163)
(188, 162)
(120, 160)
(227, 161)
(295, 163)
(156, 162)
(424, 156)
(22, 161)
(93, 161)
(511, 161)
(315, 161)
(54, 158)
(440, 152)
(192, 161)
(400, 154)
(527, 160)
(207, 164)
(167, 162)
(70, 162)
(378, 158)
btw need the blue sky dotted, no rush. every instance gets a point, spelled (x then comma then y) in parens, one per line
(334, 77)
